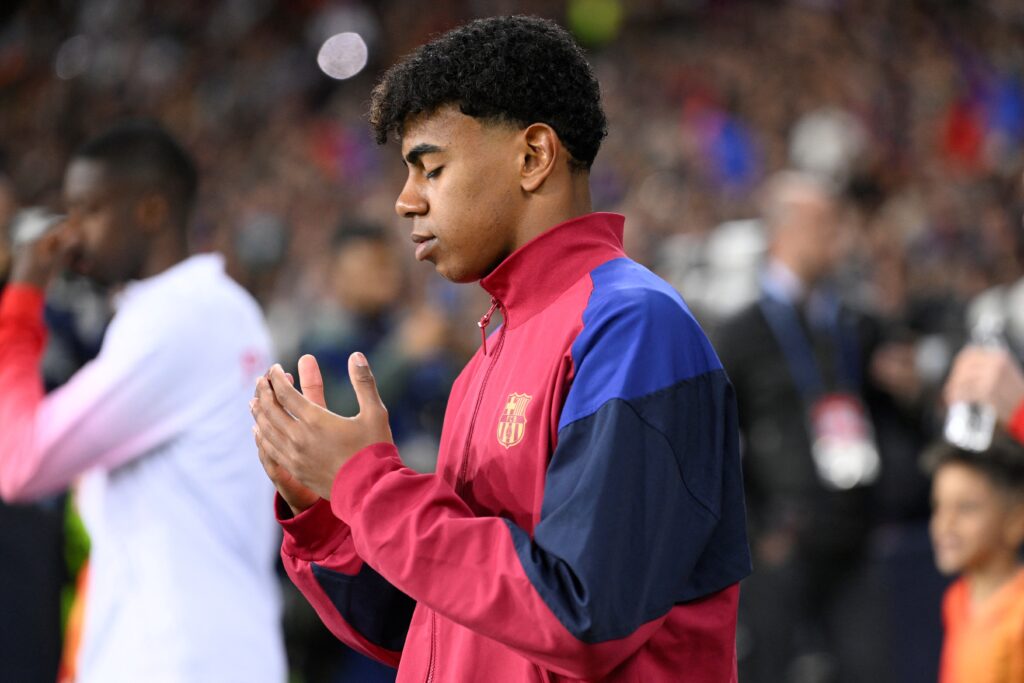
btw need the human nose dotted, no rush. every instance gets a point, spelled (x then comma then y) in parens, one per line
(410, 202)
(71, 226)
(67, 235)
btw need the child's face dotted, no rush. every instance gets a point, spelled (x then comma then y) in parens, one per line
(973, 522)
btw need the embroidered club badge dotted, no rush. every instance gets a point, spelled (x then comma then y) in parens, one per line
(512, 424)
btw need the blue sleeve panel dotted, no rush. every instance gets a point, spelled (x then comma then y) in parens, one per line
(643, 505)
(638, 337)
(370, 605)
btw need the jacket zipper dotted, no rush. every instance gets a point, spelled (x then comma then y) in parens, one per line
(461, 477)
(484, 322)
(433, 645)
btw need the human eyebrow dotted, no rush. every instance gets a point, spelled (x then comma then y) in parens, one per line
(412, 157)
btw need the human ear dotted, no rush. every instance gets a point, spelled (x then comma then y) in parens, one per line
(542, 150)
(151, 212)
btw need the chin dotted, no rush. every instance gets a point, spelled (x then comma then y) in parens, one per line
(949, 566)
(100, 278)
(460, 277)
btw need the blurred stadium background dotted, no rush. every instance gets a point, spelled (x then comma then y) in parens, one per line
(914, 108)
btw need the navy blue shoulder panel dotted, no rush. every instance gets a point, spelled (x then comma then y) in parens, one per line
(643, 503)
(371, 605)
(643, 509)
(638, 336)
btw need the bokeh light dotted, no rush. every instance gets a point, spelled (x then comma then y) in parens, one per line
(343, 55)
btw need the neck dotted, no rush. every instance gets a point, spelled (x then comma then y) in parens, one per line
(167, 251)
(787, 258)
(987, 580)
(554, 204)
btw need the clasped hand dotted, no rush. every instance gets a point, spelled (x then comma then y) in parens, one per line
(301, 444)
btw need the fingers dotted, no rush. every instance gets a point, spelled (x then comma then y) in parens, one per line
(65, 238)
(311, 381)
(976, 373)
(270, 465)
(959, 386)
(268, 451)
(288, 396)
(268, 412)
(364, 384)
(294, 494)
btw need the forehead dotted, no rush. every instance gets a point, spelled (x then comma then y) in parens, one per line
(449, 128)
(85, 178)
(958, 478)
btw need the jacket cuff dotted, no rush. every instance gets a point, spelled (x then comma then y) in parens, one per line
(357, 476)
(311, 535)
(1016, 426)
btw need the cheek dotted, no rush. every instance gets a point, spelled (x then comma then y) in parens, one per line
(93, 234)
(976, 531)
(98, 228)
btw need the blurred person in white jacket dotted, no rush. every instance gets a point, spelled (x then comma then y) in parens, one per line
(155, 430)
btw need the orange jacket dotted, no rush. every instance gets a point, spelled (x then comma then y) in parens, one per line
(984, 644)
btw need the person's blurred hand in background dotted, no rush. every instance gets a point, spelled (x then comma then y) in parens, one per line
(36, 262)
(987, 375)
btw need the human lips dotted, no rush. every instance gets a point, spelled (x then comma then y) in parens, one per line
(79, 262)
(424, 245)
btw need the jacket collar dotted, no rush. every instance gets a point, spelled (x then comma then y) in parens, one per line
(537, 273)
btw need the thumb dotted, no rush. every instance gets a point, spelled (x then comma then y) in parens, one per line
(364, 384)
(311, 381)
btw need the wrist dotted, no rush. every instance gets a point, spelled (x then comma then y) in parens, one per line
(298, 507)
(29, 276)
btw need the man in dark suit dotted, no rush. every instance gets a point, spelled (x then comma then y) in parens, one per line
(797, 361)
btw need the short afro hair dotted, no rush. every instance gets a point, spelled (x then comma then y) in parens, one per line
(518, 70)
(145, 155)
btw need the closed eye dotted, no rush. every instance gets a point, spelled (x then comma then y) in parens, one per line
(430, 175)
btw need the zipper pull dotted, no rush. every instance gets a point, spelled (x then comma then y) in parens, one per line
(485, 321)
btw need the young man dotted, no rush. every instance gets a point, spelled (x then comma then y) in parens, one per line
(181, 584)
(586, 519)
(978, 531)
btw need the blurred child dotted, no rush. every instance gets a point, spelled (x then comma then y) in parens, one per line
(977, 530)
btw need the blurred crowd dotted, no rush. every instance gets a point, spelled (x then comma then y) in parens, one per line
(911, 113)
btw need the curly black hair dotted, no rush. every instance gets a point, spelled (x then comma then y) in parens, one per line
(519, 70)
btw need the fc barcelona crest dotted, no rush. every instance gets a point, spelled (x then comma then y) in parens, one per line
(512, 424)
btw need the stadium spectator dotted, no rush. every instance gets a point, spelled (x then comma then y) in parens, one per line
(810, 459)
(367, 310)
(181, 583)
(978, 533)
